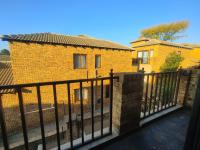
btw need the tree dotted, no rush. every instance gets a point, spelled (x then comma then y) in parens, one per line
(166, 32)
(172, 62)
(4, 52)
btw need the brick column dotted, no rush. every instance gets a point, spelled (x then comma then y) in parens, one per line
(182, 88)
(127, 97)
(192, 87)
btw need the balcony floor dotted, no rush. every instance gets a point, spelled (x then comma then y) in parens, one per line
(166, 133)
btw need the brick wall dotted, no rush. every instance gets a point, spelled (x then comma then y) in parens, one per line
(127, 102)
(192, 87)
(33, 62)
(161, 52)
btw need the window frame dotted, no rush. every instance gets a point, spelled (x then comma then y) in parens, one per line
(79, 96)
(142, 58)
(151, 53)
(135, 62)
(179, 52)
(74, 64)
(97, 55)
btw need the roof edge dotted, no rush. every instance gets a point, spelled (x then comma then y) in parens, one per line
(163, 44)
(9, 39)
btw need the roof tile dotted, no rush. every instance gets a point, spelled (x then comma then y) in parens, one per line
(65, 40)
(6, 76)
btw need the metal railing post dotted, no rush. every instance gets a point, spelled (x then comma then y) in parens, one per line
(3, 126)
(23, 120)
(111, 98)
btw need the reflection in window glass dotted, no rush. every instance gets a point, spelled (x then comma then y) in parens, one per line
(144, 57)
(79, 61)
(84, 93)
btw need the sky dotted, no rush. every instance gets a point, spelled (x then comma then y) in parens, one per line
(115, 20)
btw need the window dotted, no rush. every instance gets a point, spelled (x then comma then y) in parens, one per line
(84, 93)
(135, 62)
(144, 57)
(97, 61)
(151, 53)
(179, 52)
(79, 61)
(107, 91)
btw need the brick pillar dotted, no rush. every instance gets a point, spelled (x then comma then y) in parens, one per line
(127, 97)
(182, 88)
(188, 86)
(192, 87)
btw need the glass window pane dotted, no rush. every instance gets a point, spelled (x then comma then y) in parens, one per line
(79, 61)
(84, 61)
(145, 54)
(139, 54)
(145, 60)
(77, 94)
(151, 53)
(85, 93)
(97, 61)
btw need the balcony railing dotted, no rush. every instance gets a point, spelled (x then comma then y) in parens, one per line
(160, 92)
(90, 83)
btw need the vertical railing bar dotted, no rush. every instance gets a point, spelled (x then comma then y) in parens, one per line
(167, 92)
(41, 117)
(174, 91)
(23, 120)
(160, 91)
(82, 119)
(3, 126)
(163, 99)
(92, 106)
(111, 98)
(146, 95)
(70, 115)
(156, 90)
(56, 115)
(177, 86)
(151, 95)
(171, 88)
(101, 107)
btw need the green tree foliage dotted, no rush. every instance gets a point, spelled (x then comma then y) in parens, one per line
(4, 52)
(172, 62)
(166, 32)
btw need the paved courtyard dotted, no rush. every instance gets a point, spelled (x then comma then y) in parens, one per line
(167, 133)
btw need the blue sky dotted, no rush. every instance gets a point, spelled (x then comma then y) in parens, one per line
(116, 20)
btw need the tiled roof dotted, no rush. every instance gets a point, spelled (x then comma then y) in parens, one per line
(149, 42)
(140, 39)
(4, 58)
(191, 45)
(6, 76)
(50, 38)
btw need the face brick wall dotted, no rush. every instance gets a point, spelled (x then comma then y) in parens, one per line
(42, 62)
(32, 62)
(160, 53)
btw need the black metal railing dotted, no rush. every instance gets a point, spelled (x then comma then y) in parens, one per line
(53, 85)
(160, 92)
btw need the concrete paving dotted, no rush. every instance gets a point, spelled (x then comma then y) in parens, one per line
(166, 133)
(34, 135)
